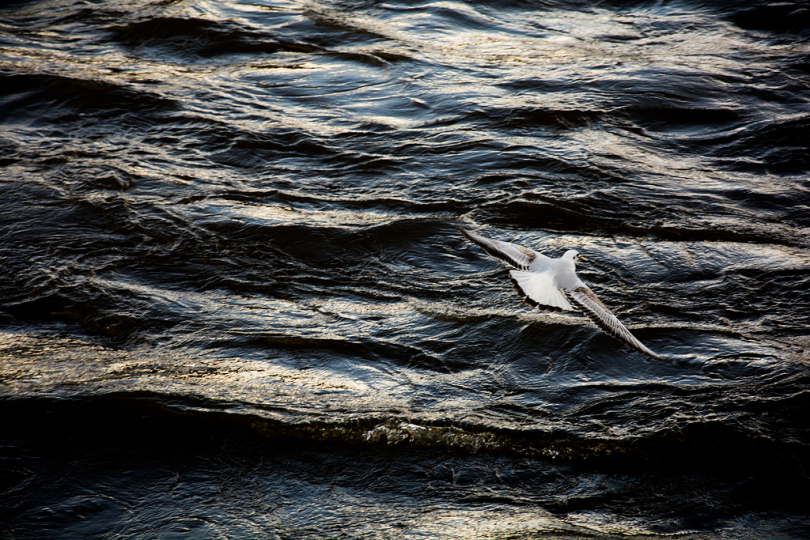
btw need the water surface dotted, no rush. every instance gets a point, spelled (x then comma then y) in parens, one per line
(233, 302)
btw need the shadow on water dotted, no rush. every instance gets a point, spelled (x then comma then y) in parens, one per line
(116, 453)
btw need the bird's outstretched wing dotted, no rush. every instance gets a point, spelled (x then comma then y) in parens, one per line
(586, 301)
(517, 256)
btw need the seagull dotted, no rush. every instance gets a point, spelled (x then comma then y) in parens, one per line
(553, 285)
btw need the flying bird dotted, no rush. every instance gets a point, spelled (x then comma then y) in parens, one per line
(553, 285)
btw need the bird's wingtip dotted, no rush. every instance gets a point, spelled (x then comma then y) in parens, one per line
(458, 226)
(463, 230)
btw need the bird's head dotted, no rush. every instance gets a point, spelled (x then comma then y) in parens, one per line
(573, 256)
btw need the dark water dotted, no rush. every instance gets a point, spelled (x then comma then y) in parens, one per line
(233, 302)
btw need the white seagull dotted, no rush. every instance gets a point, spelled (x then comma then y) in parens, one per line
(553, 285)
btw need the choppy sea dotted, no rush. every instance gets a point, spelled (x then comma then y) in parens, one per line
(234, 303)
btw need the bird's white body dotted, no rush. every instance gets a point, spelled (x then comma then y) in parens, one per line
(553, 285)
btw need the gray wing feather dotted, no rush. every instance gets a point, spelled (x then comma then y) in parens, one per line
(512, 254)
(586, 301)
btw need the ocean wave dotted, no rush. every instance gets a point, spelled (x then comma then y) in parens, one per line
(704, 446)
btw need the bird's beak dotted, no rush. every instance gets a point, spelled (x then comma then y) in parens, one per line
(581, 258)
